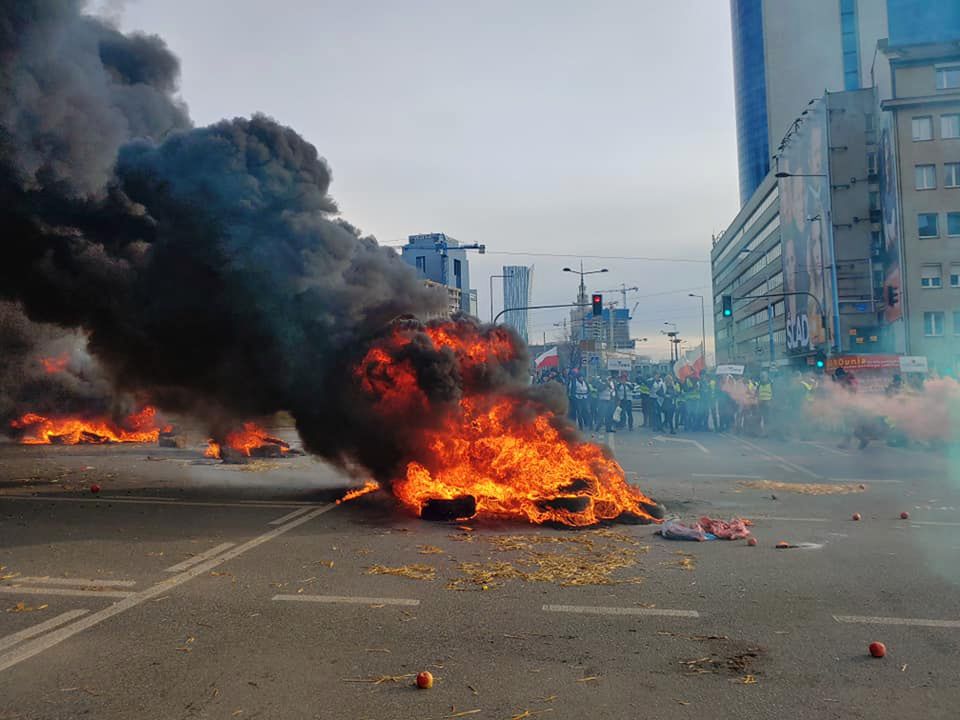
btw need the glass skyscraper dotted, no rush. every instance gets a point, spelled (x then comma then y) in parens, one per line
(750, 94)
(517, 283)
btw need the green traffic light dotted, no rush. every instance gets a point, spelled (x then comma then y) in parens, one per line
(727, 313)
(819, 363)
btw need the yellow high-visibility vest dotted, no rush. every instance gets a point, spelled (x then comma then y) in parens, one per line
(765, 392)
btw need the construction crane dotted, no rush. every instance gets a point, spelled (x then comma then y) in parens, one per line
(623, 290)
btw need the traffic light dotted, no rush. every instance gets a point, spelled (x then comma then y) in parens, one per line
(893, 295)
(727, 301)
(820, 360)
(597, 305)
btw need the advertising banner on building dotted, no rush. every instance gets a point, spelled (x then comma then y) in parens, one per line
(805, 228)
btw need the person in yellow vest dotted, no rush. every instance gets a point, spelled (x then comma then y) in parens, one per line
(765, 401)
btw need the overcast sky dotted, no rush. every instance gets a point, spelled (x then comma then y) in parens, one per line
(542, 126)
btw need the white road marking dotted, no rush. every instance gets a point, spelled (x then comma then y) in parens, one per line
(289, 516)
(774, 456)
(85, 582)
(727, 475)
(934, 523)
(789, 519)
(160, 501)
(682, 440)
(346, 600)
(896, 621)
(30, 632)
(825, 447)
(596, 610)
(199, 557)
(18, 590)
(29, 649)
(866, 481)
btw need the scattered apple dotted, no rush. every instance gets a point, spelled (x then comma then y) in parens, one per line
(782, 545)
(878, 649)
(904, 515)
(855, 516)
(94, 488)
(752, 542)
(425, 679)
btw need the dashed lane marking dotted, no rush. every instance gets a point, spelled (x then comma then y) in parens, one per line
(83, 582)
(835, 451)
(773, 456)
(199, 557)
(289, 516)
(700, 447)
(33, 647)
(600, 610)
(26, 634)
(726, 475)
(790, 519)
(346, 600)
(919, 622)
(22, 590)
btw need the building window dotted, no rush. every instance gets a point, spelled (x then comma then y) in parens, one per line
(927, 225)
(933, 324)
(930, 276)
(956, 322)
(457, 274)
(950, 126)
(951, 175)
(948, 77)
(926, 177)
(923, 128)
(422, 263)
(872, 163)
(953, 224)
(874, 200)
(955, 276)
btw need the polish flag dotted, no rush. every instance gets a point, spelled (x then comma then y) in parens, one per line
(548, 358)
(682, 369)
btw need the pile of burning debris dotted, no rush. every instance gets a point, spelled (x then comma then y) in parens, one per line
(251, 441)
(36, 429)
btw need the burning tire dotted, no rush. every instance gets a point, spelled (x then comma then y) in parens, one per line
(441, 509)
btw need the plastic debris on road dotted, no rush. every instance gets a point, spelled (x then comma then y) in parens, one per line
(736, 529)
(705, 529)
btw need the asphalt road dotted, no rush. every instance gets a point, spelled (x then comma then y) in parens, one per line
(191, 590)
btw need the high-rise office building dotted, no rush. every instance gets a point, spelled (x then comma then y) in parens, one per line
(787, 52)
(441, 259)
(517, 285)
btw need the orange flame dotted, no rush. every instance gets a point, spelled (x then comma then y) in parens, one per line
(37, 429)
(368, 487)
(55, 364)
(515, 457)
(250, 437)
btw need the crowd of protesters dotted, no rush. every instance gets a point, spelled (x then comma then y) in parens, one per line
(761, 404)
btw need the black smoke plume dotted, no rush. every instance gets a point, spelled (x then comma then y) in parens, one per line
(206, 268)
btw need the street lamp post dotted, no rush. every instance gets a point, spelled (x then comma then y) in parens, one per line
(703, 328)
(582, 294)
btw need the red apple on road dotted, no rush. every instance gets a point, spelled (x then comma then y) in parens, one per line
(904, 515)
(855, 516)
(878, 649)
(425, 680)
(94, 488)
(752, 542)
